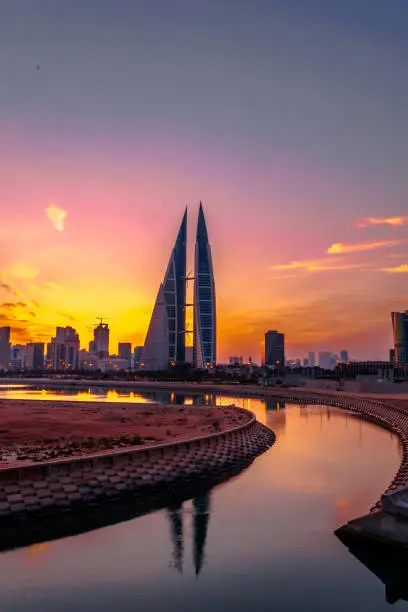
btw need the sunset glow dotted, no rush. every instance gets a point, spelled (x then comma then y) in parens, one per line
(403, 268)
(339, 247)
(393, 221)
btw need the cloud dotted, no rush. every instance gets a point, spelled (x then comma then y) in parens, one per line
(24, 270)
(318, 265)
(393, 221)
(56, 216)
(341, 248)
(284, 276)
(66, 315)
(403, 268)
(6, 287)
(293, 265)
(13, 305)
(9, 289)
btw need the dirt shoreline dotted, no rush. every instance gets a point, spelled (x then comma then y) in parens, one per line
(32, 431)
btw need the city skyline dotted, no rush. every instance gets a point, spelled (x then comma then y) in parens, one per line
(302, 169)
(201, 235)
(129, 356)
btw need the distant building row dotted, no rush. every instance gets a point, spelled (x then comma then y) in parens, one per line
(63, 353)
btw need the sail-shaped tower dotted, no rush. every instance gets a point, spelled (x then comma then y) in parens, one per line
(165, 338)
(205, 345)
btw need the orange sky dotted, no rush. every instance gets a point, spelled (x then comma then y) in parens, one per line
(69, 269)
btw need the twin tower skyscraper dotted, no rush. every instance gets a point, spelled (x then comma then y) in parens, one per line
(165, 343)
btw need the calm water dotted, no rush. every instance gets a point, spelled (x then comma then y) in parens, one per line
(261, 541)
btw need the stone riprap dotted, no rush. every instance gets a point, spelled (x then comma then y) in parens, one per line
(77, 483)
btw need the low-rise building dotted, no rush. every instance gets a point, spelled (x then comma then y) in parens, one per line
(87, 361)
(113, 364)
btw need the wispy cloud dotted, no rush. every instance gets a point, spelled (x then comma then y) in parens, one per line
(393, 221)
(341, 248)
(403, 268)
(318, 265)
(23, 270)
(6, 287)
(283, 276)
(66, 315)
(9, 305)
(56, 216)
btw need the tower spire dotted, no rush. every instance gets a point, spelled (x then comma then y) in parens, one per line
(204, 349)
(165, 339)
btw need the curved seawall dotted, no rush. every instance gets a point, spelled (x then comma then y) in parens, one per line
(394, 418)
(155, 472)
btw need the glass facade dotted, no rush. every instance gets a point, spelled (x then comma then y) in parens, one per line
(175, 296)
(165, 339)
(400, 331)
(204, 349)
(275, 351)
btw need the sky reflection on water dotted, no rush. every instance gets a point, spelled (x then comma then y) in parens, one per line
(263, 539)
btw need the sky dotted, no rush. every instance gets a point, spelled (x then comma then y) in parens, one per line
(288, 119)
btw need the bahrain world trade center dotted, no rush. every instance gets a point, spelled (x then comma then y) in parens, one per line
(165, 339)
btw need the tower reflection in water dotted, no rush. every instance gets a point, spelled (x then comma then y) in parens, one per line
(275, 414)
(201, 517)
(176, 527)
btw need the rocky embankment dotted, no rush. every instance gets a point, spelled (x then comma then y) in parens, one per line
(146, 474)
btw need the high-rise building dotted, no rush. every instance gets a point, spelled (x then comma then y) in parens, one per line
(165, 338)
(34, 356)
(344, 356)
(400, 330)
(275, 350)
(326, 360)
(312, 360)
(17, 353)
(137, 357)
(125, 352)
(392, 355)
(4, 348)
(62, 351)
(205, 332)
(101, 339)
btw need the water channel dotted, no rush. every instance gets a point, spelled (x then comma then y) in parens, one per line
(261, 541)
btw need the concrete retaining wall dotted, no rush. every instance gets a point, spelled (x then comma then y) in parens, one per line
(69, 484)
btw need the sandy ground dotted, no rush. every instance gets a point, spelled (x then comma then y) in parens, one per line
(38, 430)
